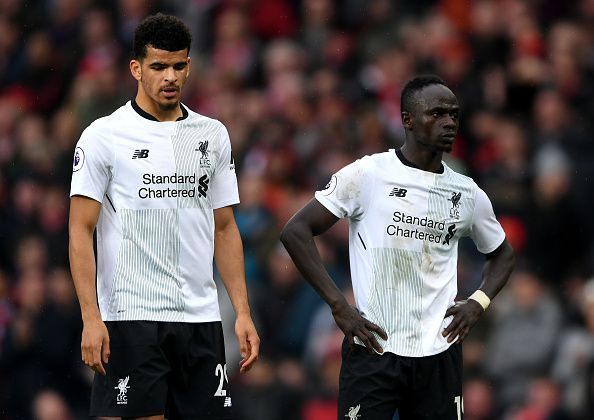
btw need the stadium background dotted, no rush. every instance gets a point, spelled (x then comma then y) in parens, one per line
(305, 87)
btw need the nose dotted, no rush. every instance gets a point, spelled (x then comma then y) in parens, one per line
(450, 122)
(170, 75)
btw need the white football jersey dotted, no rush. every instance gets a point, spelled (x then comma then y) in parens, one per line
(405, 224)
(158, 183)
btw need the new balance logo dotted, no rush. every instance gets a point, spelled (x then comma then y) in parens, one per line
(140, 154)
(227, 402)
(398, 192)
(203, 185)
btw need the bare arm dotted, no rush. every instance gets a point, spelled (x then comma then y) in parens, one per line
(297, 237)
(230, 264)
(496, 271)
(84, 213)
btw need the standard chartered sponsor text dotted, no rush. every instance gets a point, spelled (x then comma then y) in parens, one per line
(187, 190)
(423, 235)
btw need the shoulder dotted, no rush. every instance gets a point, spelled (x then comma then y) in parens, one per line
(97, 132)
(382, 158)
(376, 160)
(104, 125)
(369, 163)
(458, 177)
(462, 182)
(208, 128)
(199, 120)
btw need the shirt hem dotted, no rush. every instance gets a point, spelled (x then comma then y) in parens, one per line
(491, 249)
(184, 318)
(329, 206)
(225, 204)
(433, 352)
(87, 195)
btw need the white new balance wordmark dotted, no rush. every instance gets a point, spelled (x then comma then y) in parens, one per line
(404, 225)
(159, 183)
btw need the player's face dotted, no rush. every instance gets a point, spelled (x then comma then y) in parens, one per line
(435, 117)
(162, 75)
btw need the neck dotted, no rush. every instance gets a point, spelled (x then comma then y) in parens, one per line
(425, 159)
(149, 106)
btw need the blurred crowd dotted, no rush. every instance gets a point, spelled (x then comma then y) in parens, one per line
(305, 87)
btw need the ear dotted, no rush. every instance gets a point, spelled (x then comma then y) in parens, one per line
(407, 120)
(135, 69)
(188, 66)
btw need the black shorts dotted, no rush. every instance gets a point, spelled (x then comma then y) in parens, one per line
(172, 368)
(373, 386)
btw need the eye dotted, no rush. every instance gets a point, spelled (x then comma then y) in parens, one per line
(180, 66)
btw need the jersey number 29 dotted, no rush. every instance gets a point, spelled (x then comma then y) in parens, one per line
(221, 372)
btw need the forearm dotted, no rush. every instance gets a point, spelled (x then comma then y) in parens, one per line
(230, 264)
(497, 270)
(298, 239)
(82, 267)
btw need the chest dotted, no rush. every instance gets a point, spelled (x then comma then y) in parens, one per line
(164, 169)
(416, 212)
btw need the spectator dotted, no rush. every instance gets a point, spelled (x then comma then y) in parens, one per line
(522, 343)
(574, 355)
(304, 88)
(49, 405)
(479, 401)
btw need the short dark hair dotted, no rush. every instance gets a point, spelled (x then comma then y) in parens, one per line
(163, 32)
(413, 86)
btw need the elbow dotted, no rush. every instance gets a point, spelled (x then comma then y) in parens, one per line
(287, 235)
(293, 234)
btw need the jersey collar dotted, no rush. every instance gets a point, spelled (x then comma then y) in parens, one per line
(148, 116)
(407, 162)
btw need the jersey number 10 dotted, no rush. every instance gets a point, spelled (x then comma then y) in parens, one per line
(459, 401)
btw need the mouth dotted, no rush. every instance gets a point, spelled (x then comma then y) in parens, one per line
(449, 136)
(170, 91)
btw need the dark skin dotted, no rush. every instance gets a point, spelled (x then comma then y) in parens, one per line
(297, 237)
(430, 127)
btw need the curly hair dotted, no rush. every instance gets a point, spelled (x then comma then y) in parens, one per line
(163, 32)
(413, 86)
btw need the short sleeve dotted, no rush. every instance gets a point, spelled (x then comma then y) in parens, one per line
(348, 192)
(92, 165)
(224, 183)
(485, 230)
